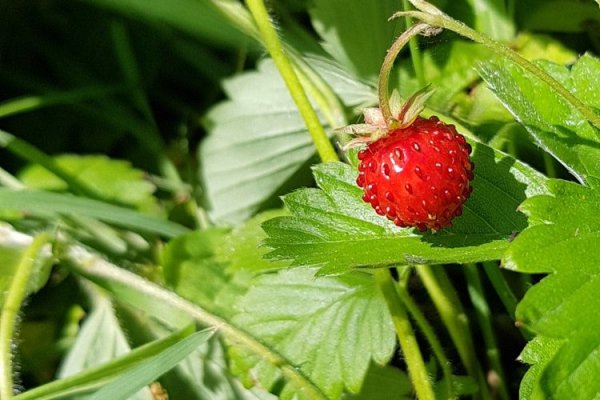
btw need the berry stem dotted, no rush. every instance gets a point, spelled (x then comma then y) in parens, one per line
(274, 47)
(483, 314)
(406, 336)
(430, 335)
(388, 63)
(17, 291)
(436, 18)
(455, 319)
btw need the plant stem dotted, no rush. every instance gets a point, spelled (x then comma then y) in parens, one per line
(446, 300)
(275, 49)
(435, 17)
(484, 315)
(118, 281)
(388, 63)
(507, 297)
(415, 51)
(14, 297)
(430, 335)
(406, 336)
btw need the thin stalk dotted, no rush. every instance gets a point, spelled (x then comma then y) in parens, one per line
(15, 296)
(439, 19)
(114, 279)
(484, 315)
(388, 63)
(415, 51)
(274, 47)
(455, 319)
(507, 297)
(406, 336)
(430, 335)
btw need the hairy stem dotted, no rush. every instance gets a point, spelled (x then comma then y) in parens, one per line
(406, 336)
(438, 19)
(388, 63)
(116, 280)
(275, 49)
(14, 297)
(484, 316)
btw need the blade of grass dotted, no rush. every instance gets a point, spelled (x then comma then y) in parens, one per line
(32, 103)
(39, 202)
(93, 378)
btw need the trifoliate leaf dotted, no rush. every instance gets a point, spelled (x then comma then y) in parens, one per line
(555, 124)
(332, 227)
(331, 328)
(562, 307)
(258, 143)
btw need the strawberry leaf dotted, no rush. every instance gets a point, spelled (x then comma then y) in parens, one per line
(562, 308)
(258, 141)
(333, 228)
(554, 124)
(114, 179)
(330, 327)
(356, 32)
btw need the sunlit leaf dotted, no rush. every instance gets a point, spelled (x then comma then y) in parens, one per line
(561, 308)
(332, 227)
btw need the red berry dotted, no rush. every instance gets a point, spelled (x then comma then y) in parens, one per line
(418, 176)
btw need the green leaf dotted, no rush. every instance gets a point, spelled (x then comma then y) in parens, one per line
(554, 124)
(192, 269)
(94, 378)
(47, 204)
(100, 340)
(241, 248)
(356, 33)
(258, 143)
(148, 371)
(113, 179)
(334, 228)
(563, 306)
(331, 328)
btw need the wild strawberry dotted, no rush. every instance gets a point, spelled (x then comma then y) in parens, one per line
(417, 176)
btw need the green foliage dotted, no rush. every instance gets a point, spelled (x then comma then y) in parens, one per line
(555, 125)
(257, 144)
(303, 317)
(353, 33)
(148, 150)
(562, 306)
(334, 228)
(114, 180)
